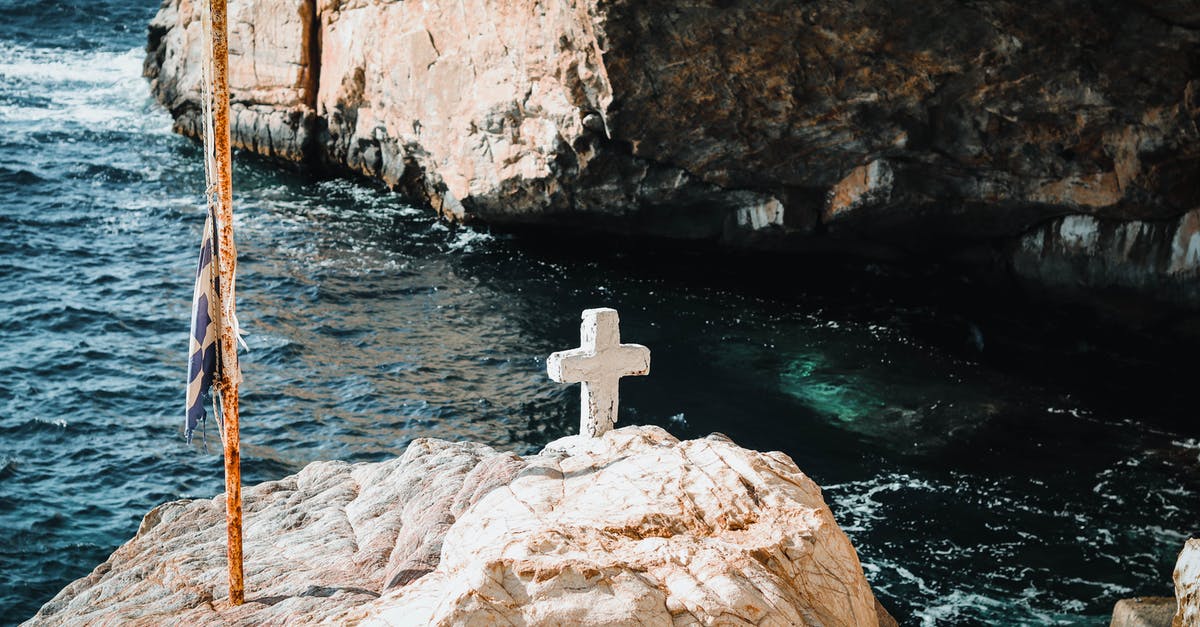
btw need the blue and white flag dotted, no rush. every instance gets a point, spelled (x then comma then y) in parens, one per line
(202, 349)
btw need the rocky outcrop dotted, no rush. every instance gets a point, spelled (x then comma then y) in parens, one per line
(632, 528)
(1181, 611)
(1078, 253)
(991, 129)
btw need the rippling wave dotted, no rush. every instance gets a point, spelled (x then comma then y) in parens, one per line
(977, 489)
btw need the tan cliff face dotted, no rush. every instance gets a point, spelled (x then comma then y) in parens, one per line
(635, 528)
(861, 126)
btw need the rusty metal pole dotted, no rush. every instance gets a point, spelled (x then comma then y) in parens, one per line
(229, 376)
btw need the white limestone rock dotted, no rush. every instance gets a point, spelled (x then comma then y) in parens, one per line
(633, 527)
(1187, 585)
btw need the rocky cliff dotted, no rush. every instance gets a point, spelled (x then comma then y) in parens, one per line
(632, 528)
(1058, 139)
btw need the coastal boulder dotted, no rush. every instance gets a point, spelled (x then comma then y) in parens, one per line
(636, 527)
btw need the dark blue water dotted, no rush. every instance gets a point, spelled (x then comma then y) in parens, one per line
(1034, 482)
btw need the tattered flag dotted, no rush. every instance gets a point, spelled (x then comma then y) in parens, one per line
(202, 351)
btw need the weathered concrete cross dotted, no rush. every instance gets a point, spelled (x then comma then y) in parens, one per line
(598, 364)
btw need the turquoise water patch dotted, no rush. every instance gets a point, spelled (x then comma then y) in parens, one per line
(809, 379)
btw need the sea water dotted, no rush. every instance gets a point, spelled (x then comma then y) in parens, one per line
(992, 464)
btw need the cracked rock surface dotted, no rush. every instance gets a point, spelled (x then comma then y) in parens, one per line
(636, 527)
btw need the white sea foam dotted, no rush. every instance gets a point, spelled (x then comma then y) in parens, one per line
(55, 89)
(466, 238)
(858, 503)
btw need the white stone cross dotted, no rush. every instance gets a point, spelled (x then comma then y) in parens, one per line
(599, 363)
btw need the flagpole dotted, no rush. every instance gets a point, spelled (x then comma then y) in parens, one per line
(228, 374)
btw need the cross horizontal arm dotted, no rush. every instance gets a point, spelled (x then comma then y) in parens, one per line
(578, 365)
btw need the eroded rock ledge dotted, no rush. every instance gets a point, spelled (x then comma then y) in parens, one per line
(634, 528)
(1058, 138)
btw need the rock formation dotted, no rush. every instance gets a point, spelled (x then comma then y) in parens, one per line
(1058, 138)
(1187, 585)
(1183, 610)
(1143, 612)
(632, 528)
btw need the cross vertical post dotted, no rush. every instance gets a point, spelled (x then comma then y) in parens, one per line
(599, 363)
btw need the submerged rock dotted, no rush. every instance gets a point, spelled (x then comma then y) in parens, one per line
(883, 128)
(632, 528)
